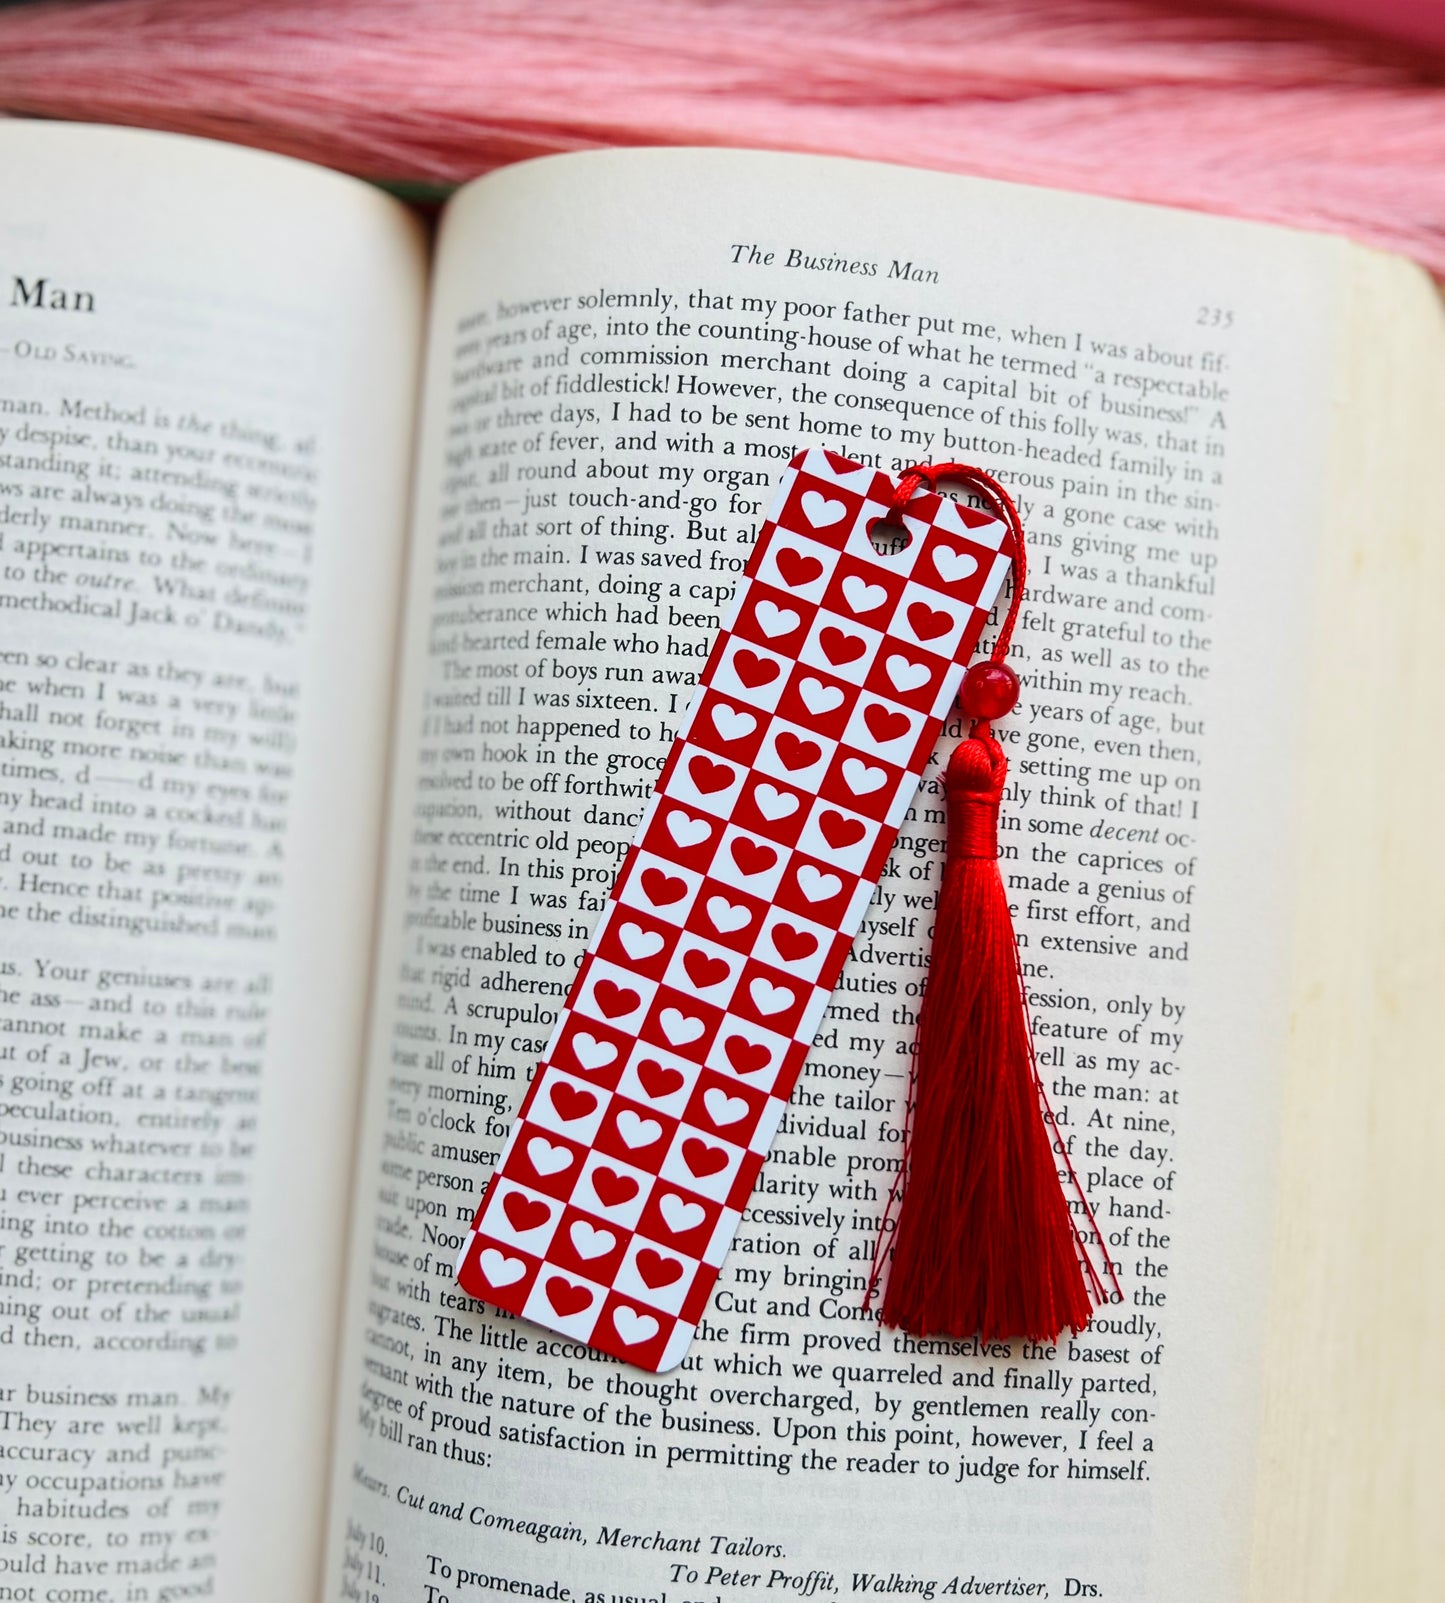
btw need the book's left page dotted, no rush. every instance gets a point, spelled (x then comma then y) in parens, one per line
(208, 364)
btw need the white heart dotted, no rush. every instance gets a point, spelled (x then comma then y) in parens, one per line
(726, 916)
(678, 1027)
(590, 1052)
(769, 998)
(818, 697)
(547, 1159)
(816, 886)
(687, 831)
(637, 1131)
(776, 620)
(953, 563)
(862, 596)
(639, 943)
(860, 778)
(906, 675)
(820, 511)
(732, 724)
(499, 1269)
(680, 1216)
(722, 1108)
(633, 1327)
(591, 1243)
(773, 803)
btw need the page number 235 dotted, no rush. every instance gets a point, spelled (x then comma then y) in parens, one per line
(1214, 317)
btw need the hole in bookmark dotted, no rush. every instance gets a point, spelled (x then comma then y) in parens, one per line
(888, 538)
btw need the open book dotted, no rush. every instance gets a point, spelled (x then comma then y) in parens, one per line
(350, 594)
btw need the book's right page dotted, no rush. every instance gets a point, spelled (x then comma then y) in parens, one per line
(1351, 1478)
(625, 348)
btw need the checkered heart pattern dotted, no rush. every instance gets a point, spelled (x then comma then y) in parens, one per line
(637, 1147)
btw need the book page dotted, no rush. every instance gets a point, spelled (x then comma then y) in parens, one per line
(208, 368)
(625, 349)
(1350, 1475)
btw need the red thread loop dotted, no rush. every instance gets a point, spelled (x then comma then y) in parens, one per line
(989, 490)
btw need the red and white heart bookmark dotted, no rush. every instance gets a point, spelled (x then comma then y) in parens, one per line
(640, 1139)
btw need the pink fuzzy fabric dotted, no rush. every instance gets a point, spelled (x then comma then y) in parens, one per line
(1221, 110)
(1417, 22)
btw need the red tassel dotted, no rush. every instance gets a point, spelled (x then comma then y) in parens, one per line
(986, 1243)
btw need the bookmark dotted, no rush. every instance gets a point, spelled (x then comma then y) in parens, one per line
(637, 1146)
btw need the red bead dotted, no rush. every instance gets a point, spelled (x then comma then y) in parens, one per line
(990, 689)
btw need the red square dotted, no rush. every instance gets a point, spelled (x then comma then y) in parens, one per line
(678, 1219)
(821, 510)
(536, 1161)
(682, 834)
(864, 592)
(670, 1024)
(818, 700)
(727, 727)
(725, 1107)
(861, 783)
(504, 1288)
(771, 807)
(637, 1134)
(769, 997)
(632, 1332)
(773, 618)
(591, 1050)
(717, 915)
(905, 674)
(581, 1245)
(637, 940)
(953, 563)
(816, 889)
